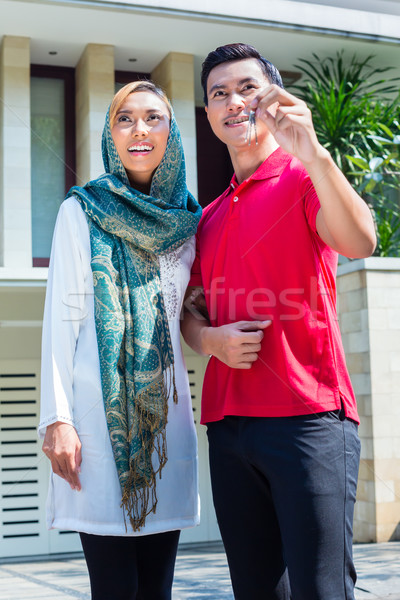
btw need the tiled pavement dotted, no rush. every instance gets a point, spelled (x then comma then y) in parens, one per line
(201, 572)
(378, 570)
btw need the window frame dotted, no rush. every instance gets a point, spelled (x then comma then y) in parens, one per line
(67, 74)
(128, 76)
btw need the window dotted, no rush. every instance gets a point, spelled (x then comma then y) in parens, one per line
(214, 167)
(52, 151)
(124, 77)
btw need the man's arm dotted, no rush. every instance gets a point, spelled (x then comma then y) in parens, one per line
(235, 344)
(344, 221)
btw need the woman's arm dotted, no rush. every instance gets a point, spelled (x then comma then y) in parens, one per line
(64, 311)
(62, 446)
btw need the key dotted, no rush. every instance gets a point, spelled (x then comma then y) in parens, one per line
(251, 125)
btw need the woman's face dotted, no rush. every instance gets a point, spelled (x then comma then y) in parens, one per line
(140, 133)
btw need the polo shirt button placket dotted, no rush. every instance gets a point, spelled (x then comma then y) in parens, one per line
(236, 198)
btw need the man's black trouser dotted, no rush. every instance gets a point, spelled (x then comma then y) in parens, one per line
(284, 492)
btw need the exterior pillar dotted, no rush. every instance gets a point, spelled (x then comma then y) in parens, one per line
(175, 74)
(369, 314)
(15, 153)
(94, 91)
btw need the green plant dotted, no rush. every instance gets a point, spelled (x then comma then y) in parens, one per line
(377, 177)
(355, 108)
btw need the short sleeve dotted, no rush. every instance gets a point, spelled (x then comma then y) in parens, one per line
(195, 274)
(311, 201)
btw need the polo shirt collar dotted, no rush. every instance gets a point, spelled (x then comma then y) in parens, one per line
(272, 166)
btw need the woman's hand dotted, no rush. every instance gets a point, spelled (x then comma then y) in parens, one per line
(63, 447)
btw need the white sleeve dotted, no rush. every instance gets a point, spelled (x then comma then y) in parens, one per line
(63, 313)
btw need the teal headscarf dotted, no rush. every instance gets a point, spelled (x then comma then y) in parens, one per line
(128, 231)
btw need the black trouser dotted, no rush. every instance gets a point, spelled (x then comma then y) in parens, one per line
(131, 568)
(284, 492)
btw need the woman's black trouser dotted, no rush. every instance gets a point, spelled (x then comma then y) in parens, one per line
(131, 568)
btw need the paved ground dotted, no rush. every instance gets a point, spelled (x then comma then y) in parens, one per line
(201, 572)
(378, 569)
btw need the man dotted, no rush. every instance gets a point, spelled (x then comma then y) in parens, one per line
(277, 398)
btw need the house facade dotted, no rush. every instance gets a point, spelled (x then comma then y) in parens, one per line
(60, 64)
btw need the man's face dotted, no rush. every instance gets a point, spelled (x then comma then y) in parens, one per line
(231, 87)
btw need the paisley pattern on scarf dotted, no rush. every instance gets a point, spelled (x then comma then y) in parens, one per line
(128, 232)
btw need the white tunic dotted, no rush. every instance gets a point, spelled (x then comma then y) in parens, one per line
(71, 392)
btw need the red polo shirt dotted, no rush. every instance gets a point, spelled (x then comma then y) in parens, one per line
(259, 257)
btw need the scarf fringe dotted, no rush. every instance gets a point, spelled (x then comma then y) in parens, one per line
(139, 495)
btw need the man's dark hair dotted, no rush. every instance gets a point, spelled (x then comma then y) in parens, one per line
(237, 52)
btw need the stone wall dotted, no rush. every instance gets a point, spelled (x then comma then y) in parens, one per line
(369, 316)
(15, 153)
(94, 90)
(175, 74)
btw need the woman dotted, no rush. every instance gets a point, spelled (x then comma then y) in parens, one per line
(113, 373)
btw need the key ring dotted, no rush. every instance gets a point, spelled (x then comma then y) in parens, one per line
(251, 125)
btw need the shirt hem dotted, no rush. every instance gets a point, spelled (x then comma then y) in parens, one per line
(270, 411)
(118, 529)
